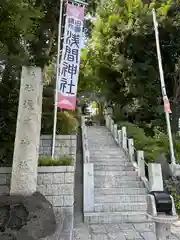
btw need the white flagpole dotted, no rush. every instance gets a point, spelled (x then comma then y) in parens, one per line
(57, 74)
(173, 160)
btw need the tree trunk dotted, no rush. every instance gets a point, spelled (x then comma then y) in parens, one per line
(26, 149)
(175, 108)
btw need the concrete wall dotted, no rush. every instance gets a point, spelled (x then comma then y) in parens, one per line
(65, 145)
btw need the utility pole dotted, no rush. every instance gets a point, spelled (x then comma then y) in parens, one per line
(163, 87)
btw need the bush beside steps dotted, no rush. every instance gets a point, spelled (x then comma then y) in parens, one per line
(48, 161)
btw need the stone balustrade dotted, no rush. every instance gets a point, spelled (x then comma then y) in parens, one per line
(150, 173)
(88, 172)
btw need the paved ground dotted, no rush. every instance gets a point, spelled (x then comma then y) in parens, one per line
(138, 231)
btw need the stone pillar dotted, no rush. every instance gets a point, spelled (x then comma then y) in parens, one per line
(155, 177)
(131, 149)
(141, 163)
(119, 138)
(124, 138)
(26, 149)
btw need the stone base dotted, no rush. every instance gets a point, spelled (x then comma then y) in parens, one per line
(163, 231)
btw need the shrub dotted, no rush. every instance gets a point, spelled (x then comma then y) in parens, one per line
(66, 123)
(48, 161)
(177, 149)
(173, 187)
(152, 146)
(138, 134)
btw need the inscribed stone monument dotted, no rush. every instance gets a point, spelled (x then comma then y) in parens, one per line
(26, 149)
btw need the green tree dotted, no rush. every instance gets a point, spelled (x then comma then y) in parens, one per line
(124, 59)
(28, 33)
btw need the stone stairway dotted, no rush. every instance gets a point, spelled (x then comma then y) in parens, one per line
(120, 196)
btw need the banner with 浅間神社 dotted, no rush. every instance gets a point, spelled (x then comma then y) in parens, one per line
(70, 59)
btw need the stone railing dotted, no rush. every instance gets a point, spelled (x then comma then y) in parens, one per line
(150, 173)
(88, 172)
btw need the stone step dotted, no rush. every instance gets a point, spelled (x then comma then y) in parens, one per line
(110, 163)
(120, 207)
(101, 167)
(115, 217)
(108, 156)
(117, 177)
(103, 144)
(109, 159)
(106, 145)
(120, 198)
(115, 173)
(122, 191)
(107, 153)
(113, 183)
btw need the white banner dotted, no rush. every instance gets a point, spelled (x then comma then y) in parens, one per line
(70, 61)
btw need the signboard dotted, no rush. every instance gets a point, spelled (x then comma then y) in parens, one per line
(70, 61)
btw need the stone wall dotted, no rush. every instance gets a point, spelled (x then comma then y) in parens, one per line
(56, 183)
(65, 145)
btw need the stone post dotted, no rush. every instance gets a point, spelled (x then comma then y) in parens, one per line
(124, 138)
(155, 177)
(141, 164)
(112, 126)
(131, 149)
(119, 137)
(26, 149)
(115, 131)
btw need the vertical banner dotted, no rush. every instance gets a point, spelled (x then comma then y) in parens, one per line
(70, 61)
(167, 107)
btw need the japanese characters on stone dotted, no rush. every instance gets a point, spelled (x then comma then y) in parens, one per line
(70, 56)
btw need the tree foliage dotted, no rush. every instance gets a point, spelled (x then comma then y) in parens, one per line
(28, 33)
(122, 55)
